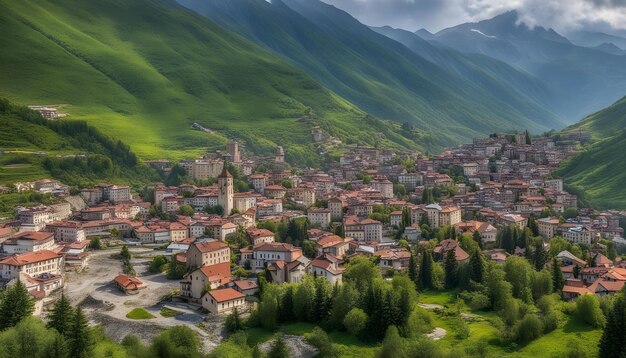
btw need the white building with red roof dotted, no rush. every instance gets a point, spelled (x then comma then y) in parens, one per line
(223, 300)
(30, 241)
(32, 264)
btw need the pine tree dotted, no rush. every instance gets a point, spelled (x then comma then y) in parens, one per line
(477, 266)
(279, 348)
(478, 238)
(61, 316)
(80, 343)
(426, 270)
(413, 270)
(452, 269)
(58, 348)
(528, 139)
(125, 254)
(508, 240)
(406, 218)
(540, 255)
(532, 225)
(557, 276)
(612, 344)
(576, 271)
(16, 305)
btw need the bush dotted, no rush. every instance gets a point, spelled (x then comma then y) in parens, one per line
(158, 264)
(320, 340)
(355, 321)
(551, 321)
(529, 328)
(588, 310)
(476, 300)
(419, 322)
(462, 329)
(95, 243)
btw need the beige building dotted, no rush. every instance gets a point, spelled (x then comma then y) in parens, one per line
(440, 216)
(319, 216)
(548, 227)
(29, 241)
(207, 253)
(259, 236)
(363, 230)
(223, 301)
(32, 264)
(384, 186)
(336, 206)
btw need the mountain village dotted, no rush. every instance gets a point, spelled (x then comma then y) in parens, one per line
(296, 222)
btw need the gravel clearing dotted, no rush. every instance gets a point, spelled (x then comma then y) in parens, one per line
(105, 304)
(298, 347)
(437, 334)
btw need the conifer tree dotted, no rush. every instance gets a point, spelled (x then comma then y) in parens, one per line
(413, 270)
(528, 139)
(426, 270)
(80, 343)
(540, 256)
(279, 348)
(16, 305)
(452, 269)
(557, 276)
(612, 344)
(61, 316)
(477, 266)
(478, 238)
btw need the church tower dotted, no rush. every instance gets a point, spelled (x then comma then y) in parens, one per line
(225, 196)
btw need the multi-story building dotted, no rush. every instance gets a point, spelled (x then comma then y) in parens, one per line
(384, 186)
(259, 236)
(67, 231)
(439, 216)
(336, 206)
(258, 182)
(207, 253)
(32, 264)
(29, 241)
(548, 227)
(363, 230)
(319, 216)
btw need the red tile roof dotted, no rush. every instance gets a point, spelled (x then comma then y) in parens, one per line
(28, 258)
(226, 294)
(208, 246)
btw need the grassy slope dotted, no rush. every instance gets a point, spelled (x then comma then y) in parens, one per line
(143, 71)
(599, 171)
(378, 74)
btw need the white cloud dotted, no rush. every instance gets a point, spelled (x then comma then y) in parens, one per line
(563, 15)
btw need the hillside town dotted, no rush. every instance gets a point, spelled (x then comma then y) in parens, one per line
(289, 222)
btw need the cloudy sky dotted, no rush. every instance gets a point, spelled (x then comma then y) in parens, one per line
(434, 15)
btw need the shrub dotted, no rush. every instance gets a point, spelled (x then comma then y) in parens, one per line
(588, 310)
(355, 321)
(551, 321)
(476, 300)
(462, 329)
(158, 264)
(320, 340)
(529, 328)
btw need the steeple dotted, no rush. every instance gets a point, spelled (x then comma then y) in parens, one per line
(225, 173)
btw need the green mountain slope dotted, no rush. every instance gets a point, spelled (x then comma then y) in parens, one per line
(607, 121)
(374, 72)
(71, 151)
(598, 173)
(144, 70)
